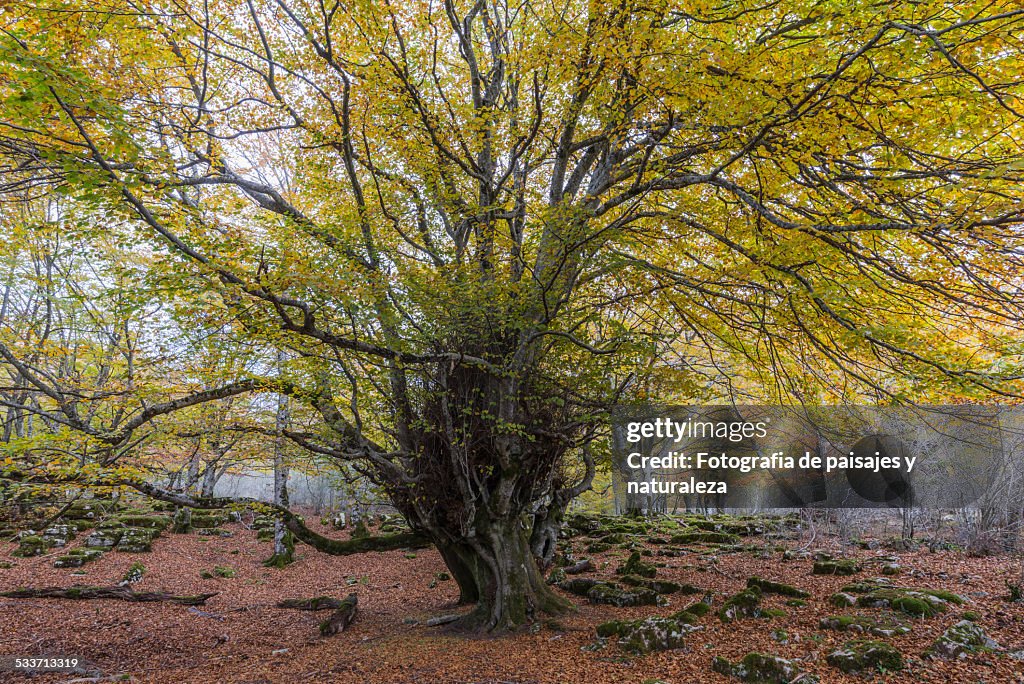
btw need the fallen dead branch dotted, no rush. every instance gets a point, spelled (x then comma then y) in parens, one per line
(315, 603)
(344, 611)
(79, 592)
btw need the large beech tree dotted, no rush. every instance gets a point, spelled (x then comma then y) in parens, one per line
(475, 226)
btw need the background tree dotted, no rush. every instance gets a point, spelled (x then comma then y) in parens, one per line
(476, 226)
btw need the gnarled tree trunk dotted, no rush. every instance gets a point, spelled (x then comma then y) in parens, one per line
(497, 570)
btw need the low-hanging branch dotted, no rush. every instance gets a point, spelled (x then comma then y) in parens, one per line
(294, 523)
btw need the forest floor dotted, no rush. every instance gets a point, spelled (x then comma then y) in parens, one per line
(240, 636)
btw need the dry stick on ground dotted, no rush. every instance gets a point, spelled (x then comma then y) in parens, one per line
(119, 593)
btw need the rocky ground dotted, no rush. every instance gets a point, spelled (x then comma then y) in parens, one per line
(914, 615)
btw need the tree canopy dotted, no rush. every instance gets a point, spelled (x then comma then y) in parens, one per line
(476, 227)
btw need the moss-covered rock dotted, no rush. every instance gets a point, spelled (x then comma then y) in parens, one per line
(875, 626)
(111, 524)
(654, 634)
(647, 635)
(263, 522)
(208, 519)
(556, 576)
(743, 527)
(359, 529)
(866, 586)
(762, 668)
(76, 558)
(137, 540)
(104, 538)
(770, 587)
(59, 535)
(581, 524)
(961, 640)
(635, 566)
(182, 521)
(147, 521)
(655, 585)
(704, 537)
(842, 599)
(611, 628)
(912, 601)
(613, 595)
(580, 586)
(394, 524)
(692, 613)
(598, 547)
(30, 545)
(745, 604)
(865, 654)
(136, 571)
(836, 567)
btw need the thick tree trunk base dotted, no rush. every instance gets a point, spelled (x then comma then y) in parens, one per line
(499, 573)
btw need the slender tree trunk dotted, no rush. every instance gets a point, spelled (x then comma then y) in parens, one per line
(210, 477)
(193, 472)
(284, 545)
